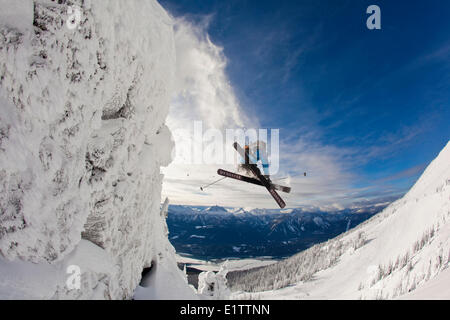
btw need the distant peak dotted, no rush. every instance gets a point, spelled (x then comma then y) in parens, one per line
(216, 209)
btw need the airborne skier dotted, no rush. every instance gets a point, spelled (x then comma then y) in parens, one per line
(251, 163)
(251, 156)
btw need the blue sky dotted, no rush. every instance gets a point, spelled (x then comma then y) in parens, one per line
(375, 102)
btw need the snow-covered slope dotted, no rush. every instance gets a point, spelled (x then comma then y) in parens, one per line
(82, 139)
(404, 247)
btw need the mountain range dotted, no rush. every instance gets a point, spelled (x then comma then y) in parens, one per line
(218, 232)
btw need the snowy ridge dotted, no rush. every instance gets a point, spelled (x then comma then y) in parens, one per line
(398, 250)
(272, 232)
(82, 139)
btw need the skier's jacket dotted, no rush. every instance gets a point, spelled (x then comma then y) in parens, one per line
(258, 153)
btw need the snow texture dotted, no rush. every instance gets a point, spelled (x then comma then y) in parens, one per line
(82, 139)
(16, 14)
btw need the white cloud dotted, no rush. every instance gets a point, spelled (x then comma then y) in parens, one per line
(203, 93)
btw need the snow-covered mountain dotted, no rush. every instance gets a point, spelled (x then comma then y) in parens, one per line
(395, 252)
(217, 232)
(85, 91)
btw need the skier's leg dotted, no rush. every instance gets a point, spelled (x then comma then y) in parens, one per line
(262, 156)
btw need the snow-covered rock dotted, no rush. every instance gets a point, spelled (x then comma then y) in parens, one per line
(214, 284)
(82, 139)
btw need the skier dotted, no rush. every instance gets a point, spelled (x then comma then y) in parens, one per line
(251, 156)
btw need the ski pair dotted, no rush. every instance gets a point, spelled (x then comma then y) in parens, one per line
(255, 170)
(242, 178)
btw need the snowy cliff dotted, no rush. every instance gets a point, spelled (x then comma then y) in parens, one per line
(84, 94)
(404, 248)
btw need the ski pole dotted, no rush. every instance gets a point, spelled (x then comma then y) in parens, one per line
(203, 188)
(300, 174)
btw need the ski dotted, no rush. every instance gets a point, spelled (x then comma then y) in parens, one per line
(251, 180)
(257, 173)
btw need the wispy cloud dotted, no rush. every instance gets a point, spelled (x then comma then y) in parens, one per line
(203, 93)
(404, 174)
